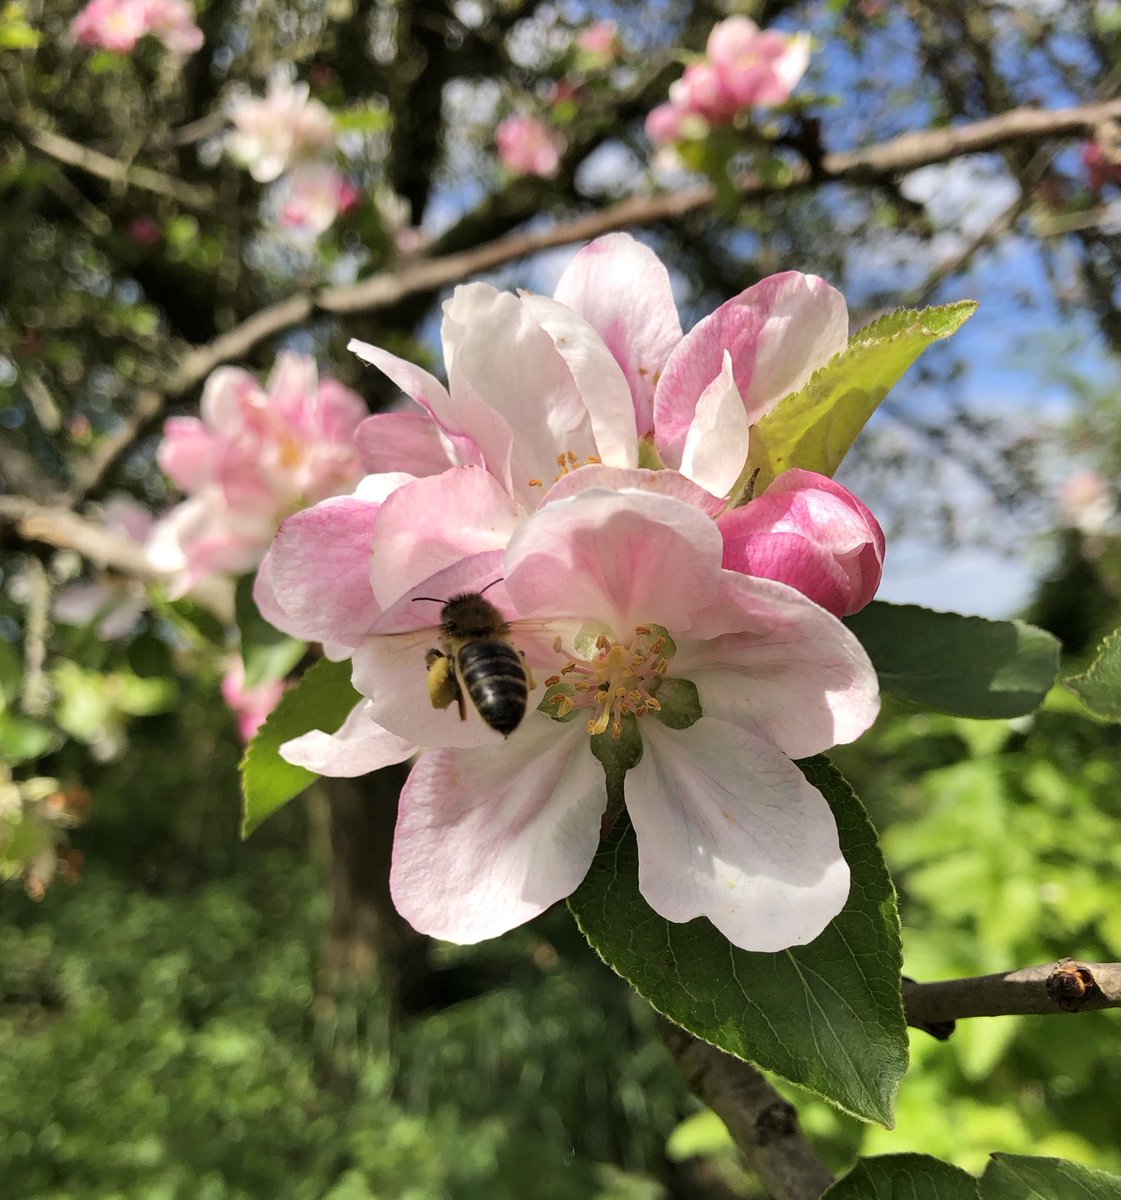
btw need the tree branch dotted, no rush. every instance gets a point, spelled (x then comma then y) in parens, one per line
(118, 172)
(762, 1124)
(386, 288)
(1062, 987)
(65, 530)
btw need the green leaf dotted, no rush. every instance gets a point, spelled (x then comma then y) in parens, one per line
(321, 700)
(1019, 1177)
(904, 1177)
(267, 653)
(967, 666)
(826, 1016)
(23, 739)
(1099, 688)
(813, 428)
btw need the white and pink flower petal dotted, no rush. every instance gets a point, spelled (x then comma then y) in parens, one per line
(778, 333)
(637, 479)
(488, 839)
(728, 828)
(319, 571)
(619, 559)
(432, 523)
(622, 289)
(715, 448)
(410, 441)
(767, 659)
(357, 748)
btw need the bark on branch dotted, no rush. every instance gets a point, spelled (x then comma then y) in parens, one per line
(762, 1124)
(386, 288)
(1065, 986)
(64, 530)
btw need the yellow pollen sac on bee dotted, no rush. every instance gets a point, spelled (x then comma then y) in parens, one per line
(619, 679)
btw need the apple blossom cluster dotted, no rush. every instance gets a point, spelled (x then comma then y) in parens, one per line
(118, 25)
(744, 67)
(706, 640)
(253, 456)
(289, 135)
(250, 705)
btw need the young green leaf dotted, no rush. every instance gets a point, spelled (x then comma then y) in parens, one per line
(895, 1176)
(321, 700)
(267, 653)
(827, 1016)
(1099, 687)
(813, 428)
(1019, 1177)
(966, 666)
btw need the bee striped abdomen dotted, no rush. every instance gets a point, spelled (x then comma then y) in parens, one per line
(494, 675)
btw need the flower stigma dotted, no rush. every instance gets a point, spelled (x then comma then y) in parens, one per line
(619, 678)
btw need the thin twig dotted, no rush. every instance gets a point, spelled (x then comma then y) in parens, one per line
(763, 1125)
(115, 171)
(65, 530)
(386, 288)
(1063, 987)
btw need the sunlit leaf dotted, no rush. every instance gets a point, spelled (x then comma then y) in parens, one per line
(967, 666)
(814, 427)
(1099, 687)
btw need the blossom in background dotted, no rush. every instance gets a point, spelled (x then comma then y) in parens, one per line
(34, 817)
(251, 706)
(118, 25)
(744, 67)
(610, 368)
(144, 230)
(113, 602)
(527, 146)
(1086, 502)
(272, 133)
(810, 532)
(316, 193)
(617, 597)
(599, 43)
(253, 456)
(1102, 167)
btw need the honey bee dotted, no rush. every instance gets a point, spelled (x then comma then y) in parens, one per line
(478, 659)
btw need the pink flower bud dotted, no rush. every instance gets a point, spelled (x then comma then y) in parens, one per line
(809, 532)
(526, 146)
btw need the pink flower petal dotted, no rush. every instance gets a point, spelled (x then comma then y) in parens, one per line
(320, 570)
(622, 559)
(622, 289)
(488, 839)
(463, 416)
(729, 829)
(767, 659)
(410, 442)
(359, 747)
(715, 447)
(433, 522)
(188, 453)
(778, 332)
(597, 376)
(617, 479)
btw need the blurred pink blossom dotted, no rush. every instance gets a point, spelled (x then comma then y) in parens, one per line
(251, 706)
(1086, 502)
(144, 230)
(1100, 168)
(253, 456)
(744, 67)
(527, 146)
(600, 42)
(118, 25)
(273, 132)
(316, 193)
(114, 603)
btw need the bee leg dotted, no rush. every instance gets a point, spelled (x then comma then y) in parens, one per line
(443, 687)
(528, 673)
